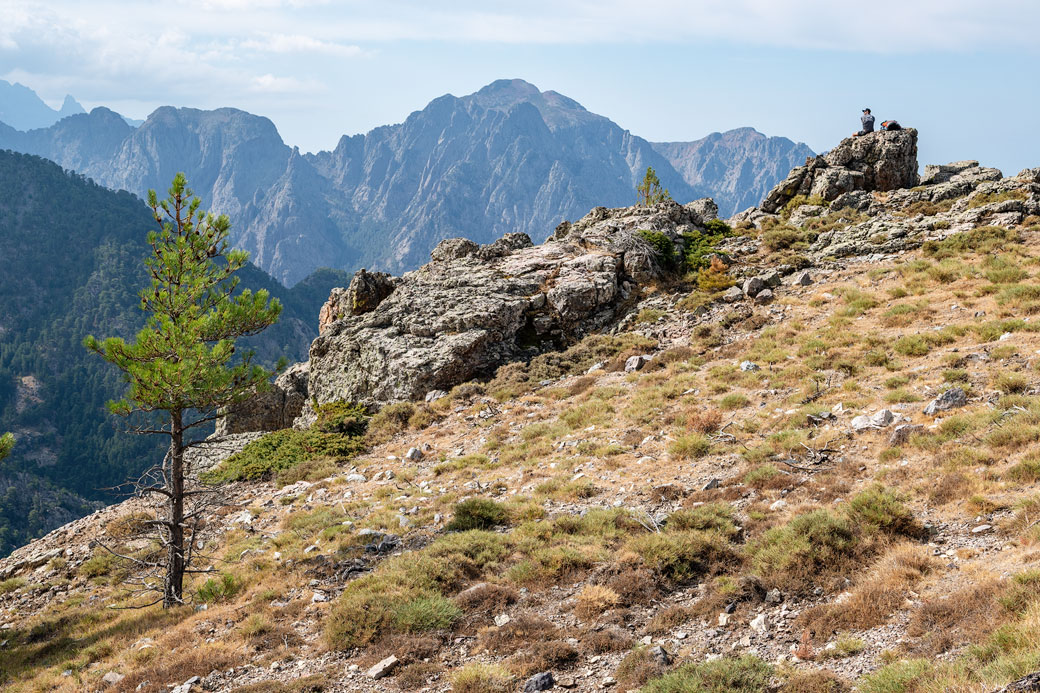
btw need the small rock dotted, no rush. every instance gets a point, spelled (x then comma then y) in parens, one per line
(778, 505)
(567, 682)
(879, 420)
(759, 624)
(356, 477)
(724, 619)
(660, 655)
(803, 279)
(771, 278)
(753, 286)
(951, 399)
(413, 455)
(748, 366)
(382, 668)
(764, 296)
(732, 294)
(319, 597)
(112, 678)
(902, 433)
(598, 366)
(539, 682)
(774, 596)
(713, 484)
(434, 395)
(981, 528)
(501, 620)
(636, 363)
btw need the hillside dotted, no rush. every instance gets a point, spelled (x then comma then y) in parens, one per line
(508, 158)
(72, 265)
(812, 470)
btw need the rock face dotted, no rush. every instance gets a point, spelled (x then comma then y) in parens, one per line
(879, 161)
(473, 307)
(365, 292)
(272, 410)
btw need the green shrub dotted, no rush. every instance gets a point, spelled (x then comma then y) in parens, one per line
(811, 545)
(397, 418)
(218, 590)
(747, 674)
(690, 447)
(699, 246)
(663, 246)
(880, 508)
(342, 417)
(713, 517)
(101, 563)
(984, 239)
(898, 677)
(425, 612)
(734, 400)
(11, 584)
(684, 555)
(282, 450)
(477, 513)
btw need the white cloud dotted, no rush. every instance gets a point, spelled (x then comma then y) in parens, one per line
(272, 84)
(298, 43)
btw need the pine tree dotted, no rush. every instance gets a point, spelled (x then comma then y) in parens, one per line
(181, 368)
(649, 191)
(6, 443)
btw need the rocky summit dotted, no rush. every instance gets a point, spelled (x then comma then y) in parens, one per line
(878, 161)
(659, 452)
(474, 307)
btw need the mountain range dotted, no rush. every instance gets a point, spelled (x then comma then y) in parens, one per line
(71, 264)
(506, 158)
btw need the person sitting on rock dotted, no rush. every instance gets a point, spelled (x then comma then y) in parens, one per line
(868, 123)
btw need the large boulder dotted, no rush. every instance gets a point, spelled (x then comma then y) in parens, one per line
(474, 308)
(879, 161)
(365, 292)
(271, 410)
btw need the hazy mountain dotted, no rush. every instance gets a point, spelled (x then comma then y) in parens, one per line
(506, 158)
(71, 263)
(22, 109)
(739, 166)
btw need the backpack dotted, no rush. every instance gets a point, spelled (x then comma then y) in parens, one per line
(891, 125)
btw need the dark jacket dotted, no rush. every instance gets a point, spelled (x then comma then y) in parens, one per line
(868, 122)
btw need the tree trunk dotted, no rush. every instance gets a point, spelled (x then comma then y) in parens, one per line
(174, 587)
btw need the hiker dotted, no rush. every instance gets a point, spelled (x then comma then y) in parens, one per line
(868, 123)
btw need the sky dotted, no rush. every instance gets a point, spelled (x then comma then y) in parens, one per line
(964, 72)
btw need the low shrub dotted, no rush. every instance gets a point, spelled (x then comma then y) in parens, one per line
(342, 417)
(746, 674)
(218, 590)
(811, 546)
(477, 513)
(280, 451)
(481, 678)
(690, 447)
(663, 246)
(684, 555)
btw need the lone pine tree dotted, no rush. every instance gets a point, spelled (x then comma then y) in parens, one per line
(649, 190)
(181, 367)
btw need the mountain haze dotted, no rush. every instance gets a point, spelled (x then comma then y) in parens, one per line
(506, 158)
(738, 166)
(22, 109)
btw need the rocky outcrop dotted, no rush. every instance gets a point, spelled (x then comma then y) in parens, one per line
(474, 307)
(271, 410)
(365, 292)
(879, 161)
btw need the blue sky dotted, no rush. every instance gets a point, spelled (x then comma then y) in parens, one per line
(963, 72)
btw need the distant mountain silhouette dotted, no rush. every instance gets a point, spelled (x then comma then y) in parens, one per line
(506, 158)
